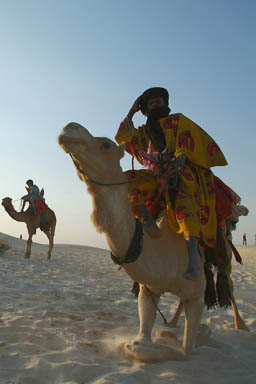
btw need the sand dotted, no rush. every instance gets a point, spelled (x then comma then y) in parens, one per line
(63, 321)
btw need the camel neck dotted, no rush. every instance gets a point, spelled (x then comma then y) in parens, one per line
(18, 216)
(112, 215)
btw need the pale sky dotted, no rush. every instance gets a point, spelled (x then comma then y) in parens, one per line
(88, 60)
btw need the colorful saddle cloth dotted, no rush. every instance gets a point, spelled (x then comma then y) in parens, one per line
(40, 206)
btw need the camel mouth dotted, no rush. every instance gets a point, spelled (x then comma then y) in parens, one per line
(73, 134)
(65, 139)
(63, 143)
(67, 142)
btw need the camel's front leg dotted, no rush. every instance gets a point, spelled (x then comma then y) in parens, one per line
(29, 244)
(143, 348)
(193, 313)
(147, 314)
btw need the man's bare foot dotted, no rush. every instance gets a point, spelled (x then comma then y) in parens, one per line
(192, 274)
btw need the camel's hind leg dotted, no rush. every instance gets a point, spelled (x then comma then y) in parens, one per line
(238, 320)
(193, 313)
(50, 238)
(50, 234)
(174, 322)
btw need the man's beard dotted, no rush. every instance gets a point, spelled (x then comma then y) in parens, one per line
(157, 113)
(153, 127)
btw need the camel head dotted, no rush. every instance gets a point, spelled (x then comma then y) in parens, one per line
(7, 203)
(95, 158)
(240, 210)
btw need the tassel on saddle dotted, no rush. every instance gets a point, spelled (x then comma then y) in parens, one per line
(218, 257)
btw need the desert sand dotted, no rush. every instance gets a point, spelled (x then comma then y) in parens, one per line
(64, 320)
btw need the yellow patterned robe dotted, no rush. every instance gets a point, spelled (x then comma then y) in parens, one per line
(194, 213)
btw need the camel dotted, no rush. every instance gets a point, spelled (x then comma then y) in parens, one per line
(160, 264)
(239, 323)
(32, 222)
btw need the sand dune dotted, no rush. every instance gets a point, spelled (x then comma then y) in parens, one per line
(63, 321)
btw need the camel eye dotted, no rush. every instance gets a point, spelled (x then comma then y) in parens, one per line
(106, 145)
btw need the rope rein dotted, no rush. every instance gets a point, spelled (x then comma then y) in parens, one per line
(174, 178)
(156, 306)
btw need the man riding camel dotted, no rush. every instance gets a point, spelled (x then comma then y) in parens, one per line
(33, 197)
(179, 155)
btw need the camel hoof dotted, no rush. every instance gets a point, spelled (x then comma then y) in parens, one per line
(151, 352)
(242, 327)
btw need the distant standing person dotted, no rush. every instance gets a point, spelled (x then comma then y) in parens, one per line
(244, 239)
(255, 240)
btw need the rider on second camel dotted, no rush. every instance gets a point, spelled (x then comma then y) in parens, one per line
(33, 197)
(167, 142)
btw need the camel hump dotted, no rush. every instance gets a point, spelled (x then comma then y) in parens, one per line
(42, 192)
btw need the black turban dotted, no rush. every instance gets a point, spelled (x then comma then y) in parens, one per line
(156, 91)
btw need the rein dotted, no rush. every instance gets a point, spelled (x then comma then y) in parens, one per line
(99, 182)
(173, 185)
(155, 305)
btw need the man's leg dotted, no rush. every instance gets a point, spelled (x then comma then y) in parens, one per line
(193, 271)
(148, 222)
(32, 202)
(144, 188)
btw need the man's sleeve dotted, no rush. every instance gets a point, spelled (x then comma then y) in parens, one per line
(135, 139)
(197, 145)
